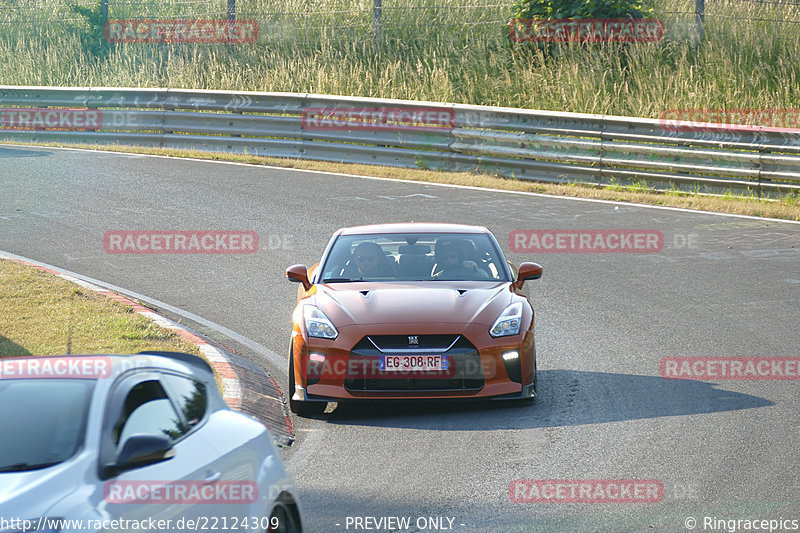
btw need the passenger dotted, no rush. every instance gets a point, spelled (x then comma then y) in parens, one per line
(451, 264)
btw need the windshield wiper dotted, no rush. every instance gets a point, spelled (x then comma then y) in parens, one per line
(20, 467)
(338, 280)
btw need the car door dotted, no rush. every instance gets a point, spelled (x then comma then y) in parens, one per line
(238, 452)
(165, 490)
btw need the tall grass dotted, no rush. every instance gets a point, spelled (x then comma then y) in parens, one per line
(439, 50)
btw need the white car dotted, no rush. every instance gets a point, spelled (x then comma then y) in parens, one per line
(142, 442)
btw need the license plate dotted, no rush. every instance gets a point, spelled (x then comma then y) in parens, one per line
(411, 363)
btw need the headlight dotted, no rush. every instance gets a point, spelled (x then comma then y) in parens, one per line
(509, 321)
(317, 324)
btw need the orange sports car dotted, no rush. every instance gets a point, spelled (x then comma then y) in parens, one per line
(411, 311)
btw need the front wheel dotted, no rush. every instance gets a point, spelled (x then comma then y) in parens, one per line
(283, 520)
(304, 409)
(529, 400)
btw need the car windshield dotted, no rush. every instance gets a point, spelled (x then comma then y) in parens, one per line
(43, 421)
(414, 257)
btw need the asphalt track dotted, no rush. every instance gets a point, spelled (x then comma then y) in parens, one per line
(721, 286)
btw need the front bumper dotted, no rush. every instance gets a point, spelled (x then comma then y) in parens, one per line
(487, 374)
(527, 392)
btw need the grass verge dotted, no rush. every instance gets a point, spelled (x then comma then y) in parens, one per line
(43, 314)
(434, 50)
(787, 208)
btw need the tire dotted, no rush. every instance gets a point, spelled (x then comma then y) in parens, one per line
(286, 519)
(535, 386)
(304, 409)
(523, 402)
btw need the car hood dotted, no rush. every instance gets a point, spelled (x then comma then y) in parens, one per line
(413, 302)
(30, 494)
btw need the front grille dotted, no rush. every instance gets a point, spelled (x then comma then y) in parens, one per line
(402, 342)
(464, 372)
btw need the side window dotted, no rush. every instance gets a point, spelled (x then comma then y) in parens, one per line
(147, 409)
(191, 397)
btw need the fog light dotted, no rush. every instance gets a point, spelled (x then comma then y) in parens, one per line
(513, 364)
(318, 357)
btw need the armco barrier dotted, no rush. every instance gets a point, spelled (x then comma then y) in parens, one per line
(527, 144)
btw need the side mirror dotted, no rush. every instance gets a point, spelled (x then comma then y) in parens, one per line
(299, 273)
(528, 271)
(142, 450)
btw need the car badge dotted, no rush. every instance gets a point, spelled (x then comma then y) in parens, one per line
(413, 339)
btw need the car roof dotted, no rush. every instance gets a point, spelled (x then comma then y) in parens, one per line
(183, 362)
(176, 361)
(411, 227)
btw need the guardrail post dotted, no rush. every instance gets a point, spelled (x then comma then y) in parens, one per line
(699, 20)
(377, 23)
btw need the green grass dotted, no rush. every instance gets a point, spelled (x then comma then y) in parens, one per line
(429, 50)
(42, 314)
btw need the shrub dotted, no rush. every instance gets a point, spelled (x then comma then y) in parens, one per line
(567, 9)
(91, 31)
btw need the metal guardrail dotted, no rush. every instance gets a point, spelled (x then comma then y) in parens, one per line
(526, 144)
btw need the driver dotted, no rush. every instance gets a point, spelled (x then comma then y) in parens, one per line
(371, 261)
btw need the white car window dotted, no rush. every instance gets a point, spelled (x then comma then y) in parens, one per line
(156, 417)
(148, 410)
